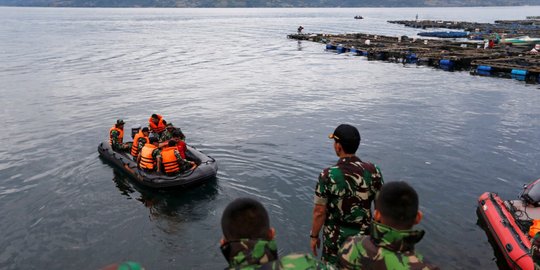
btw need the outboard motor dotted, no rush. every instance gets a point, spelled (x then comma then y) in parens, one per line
(531, 193)
(134, 130)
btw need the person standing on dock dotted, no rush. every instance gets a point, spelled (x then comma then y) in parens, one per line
(390, 244)
(300, 28)
(343, 195)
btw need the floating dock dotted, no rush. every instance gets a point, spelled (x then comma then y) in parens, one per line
(502, 60)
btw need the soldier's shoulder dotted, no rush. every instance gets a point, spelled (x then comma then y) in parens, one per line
(299, 261)
(325, 173)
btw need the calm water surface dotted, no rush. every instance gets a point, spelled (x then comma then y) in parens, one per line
(262, 105)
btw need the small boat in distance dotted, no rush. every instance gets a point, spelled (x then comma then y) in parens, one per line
(358, 17)
(521, 40)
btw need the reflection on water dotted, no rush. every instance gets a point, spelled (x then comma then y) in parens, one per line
(172, 205)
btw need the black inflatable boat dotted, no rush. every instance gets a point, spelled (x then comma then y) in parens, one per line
(206, 169)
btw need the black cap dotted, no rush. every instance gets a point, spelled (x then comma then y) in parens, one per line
(145, 129)
(347, 136)
(345, 132)
(120, 122)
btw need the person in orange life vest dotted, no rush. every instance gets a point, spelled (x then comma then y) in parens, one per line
(116, 136)
(179, 137)
(171, 160)
(148, 156)
(139, 141)
(157, 124)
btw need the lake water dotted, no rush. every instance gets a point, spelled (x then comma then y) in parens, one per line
(259, 103)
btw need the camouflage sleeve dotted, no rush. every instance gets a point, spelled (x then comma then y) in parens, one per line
(184, 164)
(535, 250)
(321, 189)
(141, 143)
(377, 180)
(114, 139)
(156, 154)
(351, 253)
(298, 261)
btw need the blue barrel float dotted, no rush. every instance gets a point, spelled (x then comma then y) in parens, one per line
(355, 51)
(484, 70)
(341, 49)
(411, 58)
(519, 74)
(446, 64)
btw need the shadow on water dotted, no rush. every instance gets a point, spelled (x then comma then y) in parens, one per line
(168, 204)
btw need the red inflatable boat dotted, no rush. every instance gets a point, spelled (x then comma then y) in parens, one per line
(507, 224)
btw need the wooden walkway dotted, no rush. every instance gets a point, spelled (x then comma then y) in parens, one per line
(502, 60)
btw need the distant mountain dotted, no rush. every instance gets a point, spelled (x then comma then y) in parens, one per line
(265, 3)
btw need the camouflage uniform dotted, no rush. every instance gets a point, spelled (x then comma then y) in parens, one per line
(385, 248)
(347, 189)
(140, 143)
(248, 254)
(115, 144)
(166, 135)
(535, 250)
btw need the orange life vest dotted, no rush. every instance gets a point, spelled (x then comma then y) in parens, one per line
(160, 127)
(135, 146)
(147, 160)
(120, 135)
(169, 160)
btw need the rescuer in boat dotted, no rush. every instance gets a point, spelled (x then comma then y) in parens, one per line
(391, 242)
(248, 240)
(170, 160)
(343, 195)
(140, 139)
(168, 133)
(116, 137)
(180, 139)
(147, 159)
(157, 124)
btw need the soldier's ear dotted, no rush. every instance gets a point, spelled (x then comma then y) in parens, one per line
(222, 241)
(271, 233)
(419, 216)
(377, 215)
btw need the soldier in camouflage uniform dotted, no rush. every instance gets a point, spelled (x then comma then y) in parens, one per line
(391, 242)
(343, 195)
(116, 137)
(168, 133)
(248, 240)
